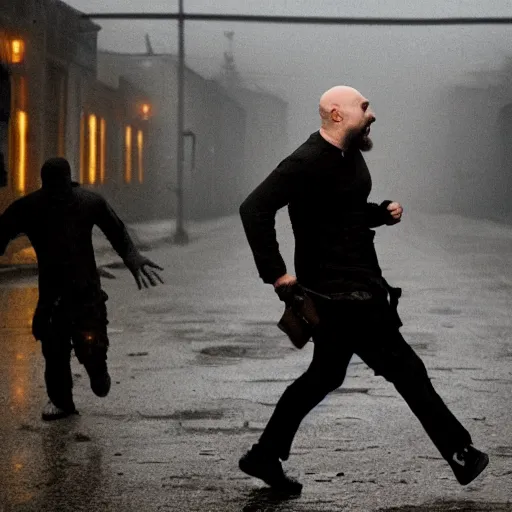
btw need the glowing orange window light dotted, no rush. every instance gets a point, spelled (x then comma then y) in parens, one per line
(22, 125)
(128, 155)
(140, 154)
(103, 136)
(17, 51)
(92, 148)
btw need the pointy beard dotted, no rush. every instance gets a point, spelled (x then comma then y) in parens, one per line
(364, 143)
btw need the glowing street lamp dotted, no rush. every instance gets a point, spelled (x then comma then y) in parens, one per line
(145, 111)
(17, 51)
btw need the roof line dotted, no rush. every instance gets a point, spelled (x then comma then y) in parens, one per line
(315, 20)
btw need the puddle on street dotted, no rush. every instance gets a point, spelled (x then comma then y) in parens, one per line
(205, 414)
(444, 311)
(229, 354)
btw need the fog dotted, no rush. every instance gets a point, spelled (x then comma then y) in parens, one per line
(438, 92)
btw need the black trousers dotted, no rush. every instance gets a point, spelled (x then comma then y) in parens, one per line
(371, 331)
(76, 322)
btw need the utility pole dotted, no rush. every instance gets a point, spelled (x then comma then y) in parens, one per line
(180, 235)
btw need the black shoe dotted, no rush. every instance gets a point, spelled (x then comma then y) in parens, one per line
(468, 464)
(52, 412)
(99, 378)
(267, 468)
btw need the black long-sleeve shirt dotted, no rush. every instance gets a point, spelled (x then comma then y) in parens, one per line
(60, 230)
(327, 196)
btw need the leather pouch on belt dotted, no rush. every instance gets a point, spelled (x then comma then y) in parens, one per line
(300, 316)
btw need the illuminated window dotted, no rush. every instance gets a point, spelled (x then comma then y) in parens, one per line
(17, 139)
(103, 136)
(17, 51)
(93, 134)
(21, 150)
(140, 155)
(93, 140)
(128, 155)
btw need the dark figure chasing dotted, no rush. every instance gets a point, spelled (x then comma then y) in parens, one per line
(326, 185)
(58, 219)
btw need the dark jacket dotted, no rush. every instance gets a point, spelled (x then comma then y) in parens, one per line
(59, 228)
(327, 197)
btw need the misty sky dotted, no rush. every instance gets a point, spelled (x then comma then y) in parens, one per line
(298, 7)
(402, 70)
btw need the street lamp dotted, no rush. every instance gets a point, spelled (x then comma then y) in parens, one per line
(17, 51)
(145, 110)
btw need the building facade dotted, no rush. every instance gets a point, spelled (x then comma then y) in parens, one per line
(214, 134)
(58, 106)
(113, 116)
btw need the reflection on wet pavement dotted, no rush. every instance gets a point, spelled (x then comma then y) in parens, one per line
(18, 349)
(54, 460)
(453, 506)
(267, 500)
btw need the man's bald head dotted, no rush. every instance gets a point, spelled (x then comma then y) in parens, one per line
(339, 97)
(346, 117)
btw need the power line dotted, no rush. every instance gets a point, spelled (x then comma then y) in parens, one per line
(309, 20)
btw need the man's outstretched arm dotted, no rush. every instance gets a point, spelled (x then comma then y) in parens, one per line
(258, 214)
(114, 229)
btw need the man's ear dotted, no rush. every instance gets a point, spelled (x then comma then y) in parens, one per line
(336, 115)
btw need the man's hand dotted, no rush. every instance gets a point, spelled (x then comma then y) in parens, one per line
(285, 280)
(141, 269)
(396, 210)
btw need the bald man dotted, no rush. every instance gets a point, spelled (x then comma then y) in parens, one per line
(325, 183)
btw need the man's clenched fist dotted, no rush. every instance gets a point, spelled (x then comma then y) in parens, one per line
(396, 210)
(285, 280)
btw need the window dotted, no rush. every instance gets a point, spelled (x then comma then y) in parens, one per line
(21, 150)
(128, 155)
(93, 148)
(15, 136)
(93, 139)
(140, 155)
